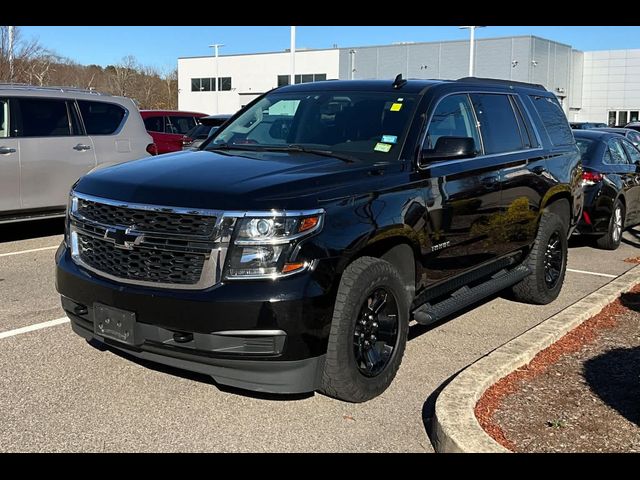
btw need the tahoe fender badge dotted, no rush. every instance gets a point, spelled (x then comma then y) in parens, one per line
(440, 246)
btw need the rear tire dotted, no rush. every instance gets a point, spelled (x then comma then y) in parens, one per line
(368, 331)
(611, 240)
(547, 262)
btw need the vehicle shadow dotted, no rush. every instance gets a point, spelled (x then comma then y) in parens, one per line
(631, 301)
(198, 377)
(613, 376)
(632, 237)
(12, 232)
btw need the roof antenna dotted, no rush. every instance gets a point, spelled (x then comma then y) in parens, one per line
(399, 81)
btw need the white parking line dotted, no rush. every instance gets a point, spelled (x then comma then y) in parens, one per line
(27, 251)
(592, 273)
(31, 328)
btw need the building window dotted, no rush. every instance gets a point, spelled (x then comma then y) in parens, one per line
(283, 80)
(202, 85)
(302, 78)
(224, 84)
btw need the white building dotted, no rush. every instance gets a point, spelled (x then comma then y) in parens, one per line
(600, 86)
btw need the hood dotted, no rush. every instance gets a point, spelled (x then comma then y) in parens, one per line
(232, 181)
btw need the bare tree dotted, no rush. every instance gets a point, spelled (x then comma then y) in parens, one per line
(122, 75)
(171, 89)
(23, 51)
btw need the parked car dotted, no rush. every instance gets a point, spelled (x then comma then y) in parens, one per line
(50, 137)
(290, 252)
(633, 126)
(586, 125)
(168, 127)
(611, 180)
(632, 135)
(206, 126)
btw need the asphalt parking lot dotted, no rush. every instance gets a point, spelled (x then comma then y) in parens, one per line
(61, 394)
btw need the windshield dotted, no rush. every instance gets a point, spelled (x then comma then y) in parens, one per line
(366, 125)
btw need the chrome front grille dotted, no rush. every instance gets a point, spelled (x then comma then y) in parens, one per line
(141, 264)
(148, 220)
(148, 245)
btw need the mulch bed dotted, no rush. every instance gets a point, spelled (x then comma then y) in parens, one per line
(581, 394)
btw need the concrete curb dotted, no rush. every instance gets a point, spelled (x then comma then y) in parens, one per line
(455, 427)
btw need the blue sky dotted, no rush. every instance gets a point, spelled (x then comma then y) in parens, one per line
(161, 46)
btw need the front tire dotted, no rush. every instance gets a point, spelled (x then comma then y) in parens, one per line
(368, 331)
(611, 240)
(547, 262)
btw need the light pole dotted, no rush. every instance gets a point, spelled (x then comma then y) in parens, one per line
(10, 54)
(216, 83)
(472, 35)
(293, 56)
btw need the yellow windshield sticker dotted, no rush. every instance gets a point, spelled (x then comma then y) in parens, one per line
(382, 147)
(396, 107)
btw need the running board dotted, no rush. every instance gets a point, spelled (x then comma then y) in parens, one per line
(465, 296)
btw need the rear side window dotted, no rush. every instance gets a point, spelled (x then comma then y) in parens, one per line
(101, 118)
(617, 154)
(498, 124)
(154, 124)
(4, 118)
(43, 118)
(634, 137)
(632, 152)
(554, 120)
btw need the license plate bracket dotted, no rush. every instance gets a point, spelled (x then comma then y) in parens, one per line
(114, 323)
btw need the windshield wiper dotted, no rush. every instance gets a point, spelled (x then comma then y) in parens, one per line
(314, 151)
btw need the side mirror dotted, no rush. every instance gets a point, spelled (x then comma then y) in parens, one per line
(451, 148)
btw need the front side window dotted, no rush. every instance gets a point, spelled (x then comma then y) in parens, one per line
(4, 118)
(453, 117)
(634, 138)
(498, 124)
(554, 120)
(370, 124)
(43, 118)
(101, 118)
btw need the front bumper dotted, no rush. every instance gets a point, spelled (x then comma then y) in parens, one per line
(206, 331)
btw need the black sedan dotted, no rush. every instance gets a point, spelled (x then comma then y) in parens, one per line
(628, 133)
(206, 126)
(611, 180)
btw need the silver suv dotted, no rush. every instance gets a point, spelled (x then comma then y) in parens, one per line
(50, 137)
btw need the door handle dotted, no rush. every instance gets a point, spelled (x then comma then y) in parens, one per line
(538, 170)
(81, 147)
(7, 150)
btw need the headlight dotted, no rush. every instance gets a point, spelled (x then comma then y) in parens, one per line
(72, 206)
(265, 245)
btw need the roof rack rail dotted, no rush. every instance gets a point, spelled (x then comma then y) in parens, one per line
(498, 81)
(26, 86)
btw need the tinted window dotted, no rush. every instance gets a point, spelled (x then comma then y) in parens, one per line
(632, 152)
(4, 118)
(371, 124)
(224, 83)
(553, 119)
(618, 156)
(100, 118)
(183, 124)
(453, 117)
(43, 118)
(498, 125)
(634, 137)
(154, 124)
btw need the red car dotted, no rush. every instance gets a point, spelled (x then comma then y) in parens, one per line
(168, 127)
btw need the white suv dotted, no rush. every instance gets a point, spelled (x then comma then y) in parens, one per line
(50, 137)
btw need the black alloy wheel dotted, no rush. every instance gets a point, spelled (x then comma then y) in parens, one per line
(553, 259)
(376, 332)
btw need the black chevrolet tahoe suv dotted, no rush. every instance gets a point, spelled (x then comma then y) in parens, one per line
(292, 250)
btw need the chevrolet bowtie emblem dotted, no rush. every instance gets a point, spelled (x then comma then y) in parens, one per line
(122, 238)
